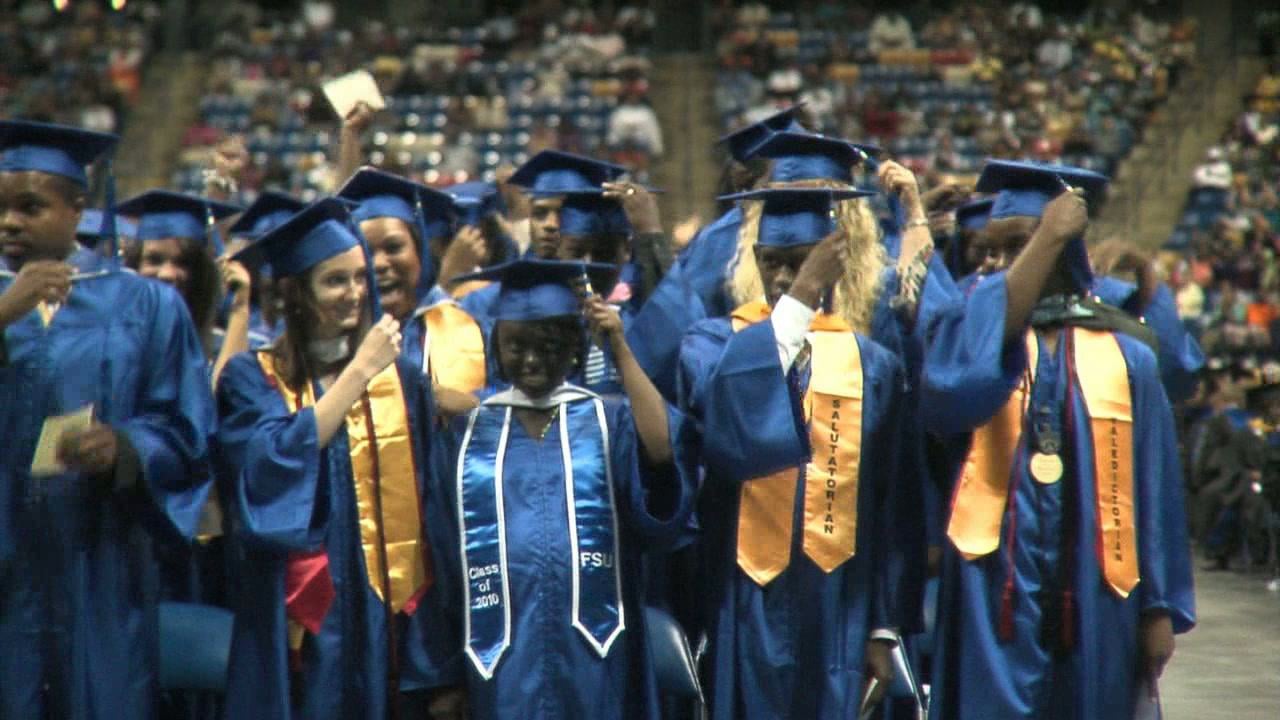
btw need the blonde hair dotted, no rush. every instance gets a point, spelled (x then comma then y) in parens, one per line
(856, 292)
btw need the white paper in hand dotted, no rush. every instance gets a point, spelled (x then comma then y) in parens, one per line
(354, 87)
(45, 461)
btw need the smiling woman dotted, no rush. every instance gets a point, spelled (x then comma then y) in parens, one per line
(396, 263)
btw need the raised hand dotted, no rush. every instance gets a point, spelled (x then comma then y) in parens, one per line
(379, 348)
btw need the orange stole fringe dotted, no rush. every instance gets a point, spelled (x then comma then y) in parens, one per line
(978, 506)
(833, 411)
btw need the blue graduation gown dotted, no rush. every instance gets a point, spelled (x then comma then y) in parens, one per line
(969, 374)
(291, 495)
(1179, 354)
(549, 670)
(693, 289)
(78, 586)
(793, 648)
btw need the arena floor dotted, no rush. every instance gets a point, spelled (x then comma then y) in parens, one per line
(1229, 666)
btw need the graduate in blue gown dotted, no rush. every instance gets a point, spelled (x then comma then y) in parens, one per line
(1150, 300)
(335, 506)
(806, 503)
(177, 242)
(559, 491)
(78, 589)
(547, 178)
(695, 287)
(262, 324)
(580, 211)
(963, 259)
(408, 226)
(1181, 358)
(1071, 445)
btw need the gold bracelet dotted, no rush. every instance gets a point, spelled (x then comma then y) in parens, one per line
(918, 222)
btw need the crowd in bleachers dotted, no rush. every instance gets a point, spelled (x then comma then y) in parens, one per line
(1221, 259)
(944, 90)
(81, 65)
(462, 102)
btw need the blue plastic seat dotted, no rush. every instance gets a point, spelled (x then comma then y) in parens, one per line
(195, 646)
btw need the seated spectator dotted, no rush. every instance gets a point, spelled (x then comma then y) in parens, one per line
(890, 31)
(1214, 172)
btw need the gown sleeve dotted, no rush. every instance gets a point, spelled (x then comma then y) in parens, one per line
(656, 500)
(656, 331)
(752, 423)
(165, 449)
(274, 458)
(1164, 550)
(969, 371)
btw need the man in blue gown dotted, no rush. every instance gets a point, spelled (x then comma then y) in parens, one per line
(78, 633)
(807, 490)
(1067, 567)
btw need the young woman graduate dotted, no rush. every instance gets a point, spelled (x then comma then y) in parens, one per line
(326, 437)
(558, 492)
(177, 243)
(78, 590)
(1067, 567)
(808, 477)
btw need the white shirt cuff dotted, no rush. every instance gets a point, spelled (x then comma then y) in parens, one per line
(885, 634)
(791, 319)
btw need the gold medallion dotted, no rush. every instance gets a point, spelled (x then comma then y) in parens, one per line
(1046, 468)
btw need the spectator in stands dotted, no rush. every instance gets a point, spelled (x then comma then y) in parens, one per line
(890, 31)
(1214, 172)
(633, 125)
(1055, 53)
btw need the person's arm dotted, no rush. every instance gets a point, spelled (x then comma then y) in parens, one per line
(1065, 217)
(647, 405)
(917, 241)
(235, 280)
(380, 347)
(652, 247)
(350, 150)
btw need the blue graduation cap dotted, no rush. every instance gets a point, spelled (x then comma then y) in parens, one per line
(54, 149)
(27, 146)
(382, 194)
(974, 215)
(593, 214)
(535, 289)
(91, 223)
(320, 231)
(1024, 188)
(552, 172)
(475, 201)
(796, 216)
(743, 141)
(267, 212)
(805, 156)
(166, 214)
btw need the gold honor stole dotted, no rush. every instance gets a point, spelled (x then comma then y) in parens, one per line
(978, 506)
(455, 359)
(833, 412)
(385, 476)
